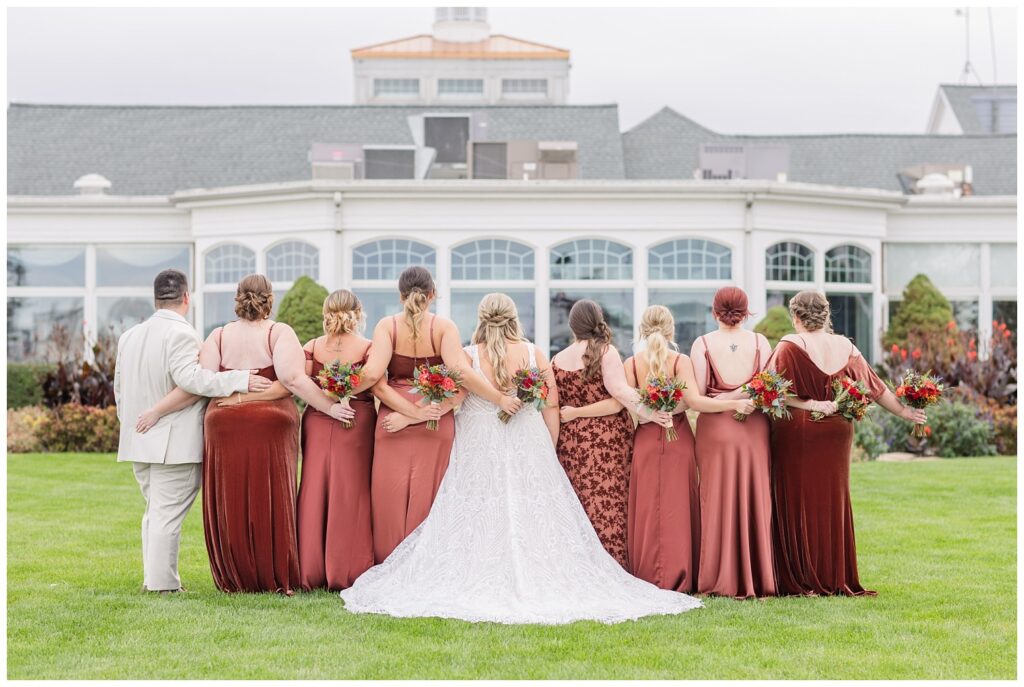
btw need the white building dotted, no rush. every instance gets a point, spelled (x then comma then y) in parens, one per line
(549, 203)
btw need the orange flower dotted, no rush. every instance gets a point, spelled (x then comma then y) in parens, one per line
(1006, 334)
(972, 355)
(916, 353)
(927, 431)
(903, 353)
(895, 349)
(951, 325)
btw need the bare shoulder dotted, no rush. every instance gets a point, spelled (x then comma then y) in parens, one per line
(792, 339)
(542, 359)
(762, 341)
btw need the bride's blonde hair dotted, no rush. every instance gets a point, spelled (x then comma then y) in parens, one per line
(657, 331)
(498, 323)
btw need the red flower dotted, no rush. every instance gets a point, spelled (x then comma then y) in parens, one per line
(677, 395)
(353, 380)
(903, 353)
(949, 342)
(1006, 334)
(973, 343)
(927, 431)
(770, 396)
(916, 354)
(951, 325)
(895, 349)
(972, 355)
(448, 384)
(528, 383)
(757, 384)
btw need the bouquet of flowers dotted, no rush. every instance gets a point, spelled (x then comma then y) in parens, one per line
(436, 383)
(769, 391)
(663, 393)
(920, 390)
(338, 380)
(851, 399)
(530, 388)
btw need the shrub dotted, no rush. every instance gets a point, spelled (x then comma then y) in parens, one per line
(303, 307)
(775, 324)
(23, 428)
(880, 432)
(924, 310)
(73, 379)
(1002, 416)
(959, 429)
(79, 428)
(25, 384)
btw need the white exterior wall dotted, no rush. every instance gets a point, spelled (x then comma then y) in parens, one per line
(428, 71)
(746, 216)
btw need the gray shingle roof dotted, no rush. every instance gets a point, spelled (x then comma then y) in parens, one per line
(667, 146)
(966, 113)
(158, 150)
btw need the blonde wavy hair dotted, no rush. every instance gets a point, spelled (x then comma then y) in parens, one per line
(498, 323)
(657, 331)
(343, 313)
(812, 309)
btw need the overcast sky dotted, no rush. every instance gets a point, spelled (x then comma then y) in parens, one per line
(732, 70)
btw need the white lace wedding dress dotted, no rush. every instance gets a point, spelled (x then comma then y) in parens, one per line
(507, 539)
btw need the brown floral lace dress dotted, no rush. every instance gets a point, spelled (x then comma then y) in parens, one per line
(595, 453)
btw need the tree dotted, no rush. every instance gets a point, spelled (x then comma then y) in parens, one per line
(924, 310)
(775, 324)
(303, 307)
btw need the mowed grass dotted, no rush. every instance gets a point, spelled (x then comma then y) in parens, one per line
(937, 540)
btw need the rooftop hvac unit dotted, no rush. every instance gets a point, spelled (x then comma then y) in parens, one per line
(337, 161)
(743, 161)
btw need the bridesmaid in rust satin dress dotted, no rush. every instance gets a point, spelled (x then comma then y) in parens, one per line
(815, 549)
(664, 532)
(335, 536)
(595, 451)
(734, 460)
(409, 459)
(251, 449)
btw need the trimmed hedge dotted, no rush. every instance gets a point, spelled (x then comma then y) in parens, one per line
(303, 308)
(775, 324)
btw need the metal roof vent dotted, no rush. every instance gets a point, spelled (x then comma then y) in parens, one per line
(93, 185)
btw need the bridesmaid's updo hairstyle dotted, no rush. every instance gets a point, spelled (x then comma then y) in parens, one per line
(730, 306)
(416, 286)
(586, 321)
(812, 309)
(254, 299)
(343, 313)
(498, 324)
(657, 331)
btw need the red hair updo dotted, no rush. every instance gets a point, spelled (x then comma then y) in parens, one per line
(730, 305)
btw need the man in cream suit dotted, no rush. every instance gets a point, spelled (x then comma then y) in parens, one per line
(153, 358)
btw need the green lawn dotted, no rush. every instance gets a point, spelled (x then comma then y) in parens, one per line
(937, 540)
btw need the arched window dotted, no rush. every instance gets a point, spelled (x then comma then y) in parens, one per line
(292, 259)
(591, 259)
(690, 259)
(848, 265)
(494, 259)
(789, 261)
(227, 264)
(385, 259)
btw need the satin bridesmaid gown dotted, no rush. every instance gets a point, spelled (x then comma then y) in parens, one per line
(335, 535)
(815, 547)
(250, 459)
(664, 511)
(734, 462)
(408, 465)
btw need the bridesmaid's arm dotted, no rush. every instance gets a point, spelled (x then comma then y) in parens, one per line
(703, 404)
(700, 365)
(276, 391)
(614, 376)
(290, 366)
(550, 412)
(176, 399)
(608, 406)
(378, 359)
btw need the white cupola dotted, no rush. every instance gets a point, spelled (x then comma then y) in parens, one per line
(461, 24)
(92, 185)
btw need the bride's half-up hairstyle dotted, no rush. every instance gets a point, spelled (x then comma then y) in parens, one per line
(812, 309)
(586, 321)
(343, 313)
(498, 324)
(657, 331)
(416, 286)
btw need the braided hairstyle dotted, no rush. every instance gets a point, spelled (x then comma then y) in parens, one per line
(498, 324)
(812, 309)
(657, 330)
(586, 320)
(416, 286)
(343, 313)
(254, 298)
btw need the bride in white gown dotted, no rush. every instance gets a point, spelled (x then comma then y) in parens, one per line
(507, 540)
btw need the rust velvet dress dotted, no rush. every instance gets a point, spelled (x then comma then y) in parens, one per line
(335, 537)
(595, 453)
(250, 458)
(734, 462)
(815, 550)
(408, 465)
(664, 513)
